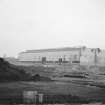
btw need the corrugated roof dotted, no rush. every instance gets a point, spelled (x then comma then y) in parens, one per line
(53, 50)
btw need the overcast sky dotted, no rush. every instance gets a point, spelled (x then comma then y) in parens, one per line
(36, 24)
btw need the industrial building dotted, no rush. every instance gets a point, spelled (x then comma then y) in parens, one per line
(80, 55)
(51, 55)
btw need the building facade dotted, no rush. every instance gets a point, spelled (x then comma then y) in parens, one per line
(92, 56)
(51, 55)
(82, 55)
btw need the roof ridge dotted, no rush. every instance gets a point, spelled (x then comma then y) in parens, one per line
(51, 49)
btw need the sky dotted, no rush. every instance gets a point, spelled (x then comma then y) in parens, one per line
(39, 24)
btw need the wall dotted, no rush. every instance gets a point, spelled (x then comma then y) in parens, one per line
(87, 56)
(50, 56)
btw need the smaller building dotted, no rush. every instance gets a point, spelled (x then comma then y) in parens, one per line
(92, 56)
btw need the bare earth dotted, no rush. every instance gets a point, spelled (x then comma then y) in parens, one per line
(56, 87)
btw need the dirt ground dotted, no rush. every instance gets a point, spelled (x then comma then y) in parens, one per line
(60, 89)
(10, 90)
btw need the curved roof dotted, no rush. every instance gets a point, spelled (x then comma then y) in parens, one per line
(53, 50)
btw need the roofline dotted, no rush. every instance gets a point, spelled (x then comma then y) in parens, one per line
(52, 50)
